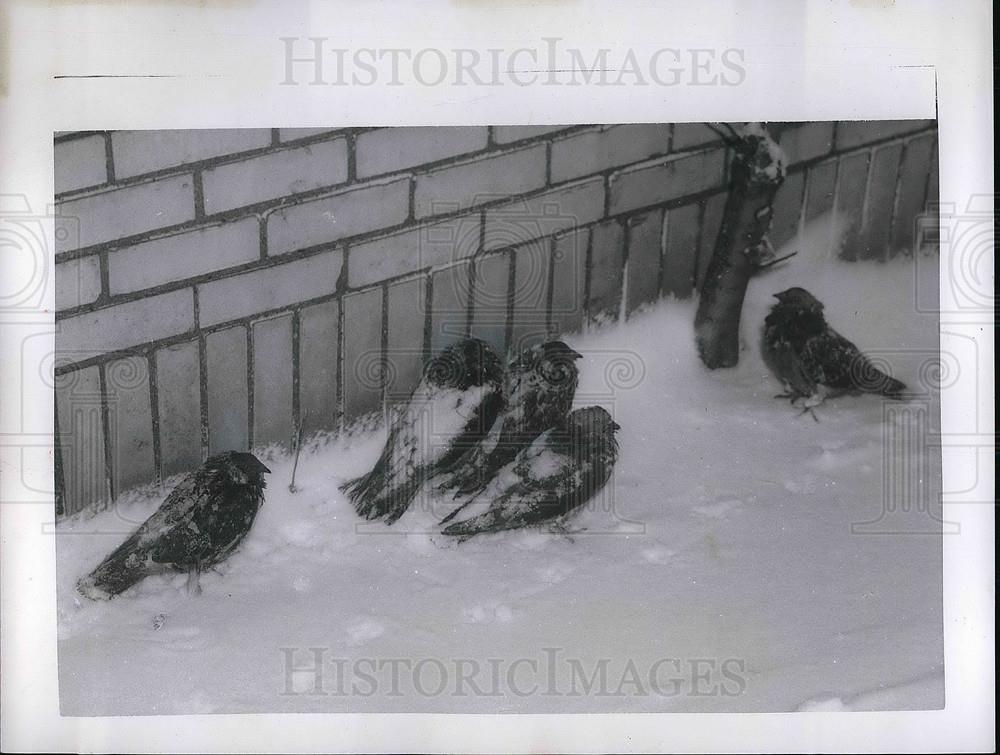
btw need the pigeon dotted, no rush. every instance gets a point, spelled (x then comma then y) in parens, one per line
(812, 359)
(452, 408)
(560, 471)
(200, 524)
(539, 388)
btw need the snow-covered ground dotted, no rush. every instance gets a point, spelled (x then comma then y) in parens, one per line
(719, 571)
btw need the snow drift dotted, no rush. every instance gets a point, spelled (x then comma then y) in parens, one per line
(718, 572)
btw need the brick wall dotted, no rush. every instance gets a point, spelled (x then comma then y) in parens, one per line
(218, 289)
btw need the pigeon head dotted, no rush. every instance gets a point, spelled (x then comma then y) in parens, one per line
(799, 298)
(591, 427)
(464, 364)
(557, 363)
(241, 467)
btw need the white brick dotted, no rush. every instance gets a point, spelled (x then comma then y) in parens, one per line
(126, 212)
(475, 182)
(80, 163)
(138, 152)
(544, 214)
(856, 133)
(362, 328)
(183, 255)
(664, 180)
(78, 282)
(228, 392)
(687, 135)
(806, 141)
(428, 246)
(125, 325)
(595, 151)
(389, 149)
(347, 213)
(179, 393)
(130, 421)
(291, 134)
(276, 174)
(81, 438)
(318, 329)
(507, 134)
(274, 287)
(272, 381)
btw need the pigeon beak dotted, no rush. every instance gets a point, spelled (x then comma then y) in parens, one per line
(615, 426)
(575, 354)
(778, 295)
(252, 463)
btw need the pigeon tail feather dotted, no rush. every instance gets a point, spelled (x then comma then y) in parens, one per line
(892, 388)
(116, 573)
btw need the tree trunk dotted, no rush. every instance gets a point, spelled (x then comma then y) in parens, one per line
(758, 169)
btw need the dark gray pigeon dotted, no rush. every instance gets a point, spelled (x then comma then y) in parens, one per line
(814, 361)
(559, 472)
(451, 409)
(539, 388)
(201, 522)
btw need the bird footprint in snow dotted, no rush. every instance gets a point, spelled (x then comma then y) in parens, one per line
(555, 573)
(717, 510)
(658, 555)
(488, 614)
(363, 629)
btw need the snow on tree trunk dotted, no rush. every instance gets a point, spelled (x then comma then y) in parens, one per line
(758, 169)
